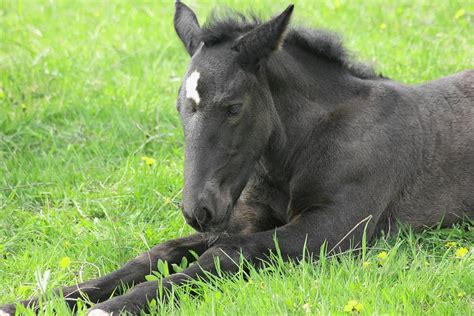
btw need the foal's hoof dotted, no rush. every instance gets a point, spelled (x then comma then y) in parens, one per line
(7, 310)
(97, 312)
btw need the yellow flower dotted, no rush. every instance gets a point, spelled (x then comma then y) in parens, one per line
(366, 264)
(383, 26)
(460, 13)
(382, 257)
(461, 252)
(65, 262)
(461, 294)
(148, 161)
(450, 244)
(353, 306)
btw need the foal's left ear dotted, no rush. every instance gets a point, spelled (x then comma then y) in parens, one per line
(260, 42)
(187, 27)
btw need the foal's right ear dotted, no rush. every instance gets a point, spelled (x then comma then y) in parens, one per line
(187, 27)
(262, 41)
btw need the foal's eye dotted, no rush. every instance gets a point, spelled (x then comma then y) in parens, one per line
(234, 109)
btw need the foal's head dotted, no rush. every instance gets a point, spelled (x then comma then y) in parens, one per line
(227, 112)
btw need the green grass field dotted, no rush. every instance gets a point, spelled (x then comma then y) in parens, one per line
(87, 88)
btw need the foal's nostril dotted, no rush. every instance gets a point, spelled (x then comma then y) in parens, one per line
(202, 215)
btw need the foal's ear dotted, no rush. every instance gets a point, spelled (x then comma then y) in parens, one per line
(187, 27)
(259, 43)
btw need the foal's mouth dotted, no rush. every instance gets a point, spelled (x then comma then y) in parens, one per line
(222, 224)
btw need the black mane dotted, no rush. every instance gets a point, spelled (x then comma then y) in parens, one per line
(323, 43)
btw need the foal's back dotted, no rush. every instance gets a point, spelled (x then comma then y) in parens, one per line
(443, 188)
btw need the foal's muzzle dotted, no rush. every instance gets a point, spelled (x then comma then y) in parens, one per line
(209, 214)
(199, 218)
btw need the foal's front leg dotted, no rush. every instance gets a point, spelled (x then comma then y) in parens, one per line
(310, 230)
(133, 272)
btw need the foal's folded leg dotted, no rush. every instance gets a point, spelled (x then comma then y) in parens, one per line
(133, 272)
(137, 298)
(310, 230)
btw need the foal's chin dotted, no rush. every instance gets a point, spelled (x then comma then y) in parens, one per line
(215, 228)
(221, 224)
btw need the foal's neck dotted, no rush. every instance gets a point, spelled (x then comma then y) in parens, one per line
(305, 90)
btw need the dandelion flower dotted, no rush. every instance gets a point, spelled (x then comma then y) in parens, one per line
(148, 161)
(461, 252)
(383, 26)
(461, 294)
(353, 306)
(459, 14)
(65, 262)
(450, 244)
(382, 257)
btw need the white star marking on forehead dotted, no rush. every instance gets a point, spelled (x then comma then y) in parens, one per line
(191, 87)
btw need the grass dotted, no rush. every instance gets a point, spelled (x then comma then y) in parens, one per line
(88, 87)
